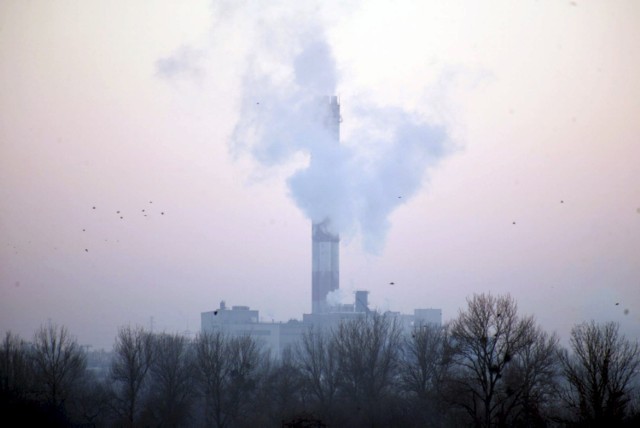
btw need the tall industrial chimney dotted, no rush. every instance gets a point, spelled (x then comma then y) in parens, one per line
(325, 247)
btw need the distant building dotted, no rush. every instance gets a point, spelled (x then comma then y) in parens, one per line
(278, 336)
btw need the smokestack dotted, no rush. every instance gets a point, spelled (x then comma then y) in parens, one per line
(325, 243)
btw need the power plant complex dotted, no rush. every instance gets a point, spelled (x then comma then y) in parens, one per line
(325, 279)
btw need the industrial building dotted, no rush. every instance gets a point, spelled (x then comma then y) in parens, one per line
(325, 278)
(278, 336)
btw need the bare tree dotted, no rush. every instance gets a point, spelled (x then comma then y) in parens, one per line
(530, 382)
(92, 403)
(368, 357)
(316, 356)
(172, 379)
(425, 366)
(58, 362)
(599, 372)
(211, 363)
(133, 357)
(633, 408)
(246, 364)
(493, 347)
(15, 369)
(229, 372)
(281, 391)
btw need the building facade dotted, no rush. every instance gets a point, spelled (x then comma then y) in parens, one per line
(278, 336)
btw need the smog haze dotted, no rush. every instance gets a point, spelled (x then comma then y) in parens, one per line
(159, 157)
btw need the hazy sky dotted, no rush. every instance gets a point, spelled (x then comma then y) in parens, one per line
(512, 130)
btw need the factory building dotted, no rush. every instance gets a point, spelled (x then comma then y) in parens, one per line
(278, 336)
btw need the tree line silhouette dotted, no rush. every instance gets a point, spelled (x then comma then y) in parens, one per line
(488, 367)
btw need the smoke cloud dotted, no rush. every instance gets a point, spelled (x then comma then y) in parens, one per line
(288, 72)
(356, 184)
(338, 297)
(183, 62)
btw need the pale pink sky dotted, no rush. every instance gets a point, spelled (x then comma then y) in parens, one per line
(541, 99)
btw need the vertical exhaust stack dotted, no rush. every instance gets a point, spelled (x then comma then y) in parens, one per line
(325, 247)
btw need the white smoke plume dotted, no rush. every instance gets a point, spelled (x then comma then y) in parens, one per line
(356, 184)
(338, 297)
(287, 66)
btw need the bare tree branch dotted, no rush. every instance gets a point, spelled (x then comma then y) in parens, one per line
(58, 362)
(599, 372)
(132, 361)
